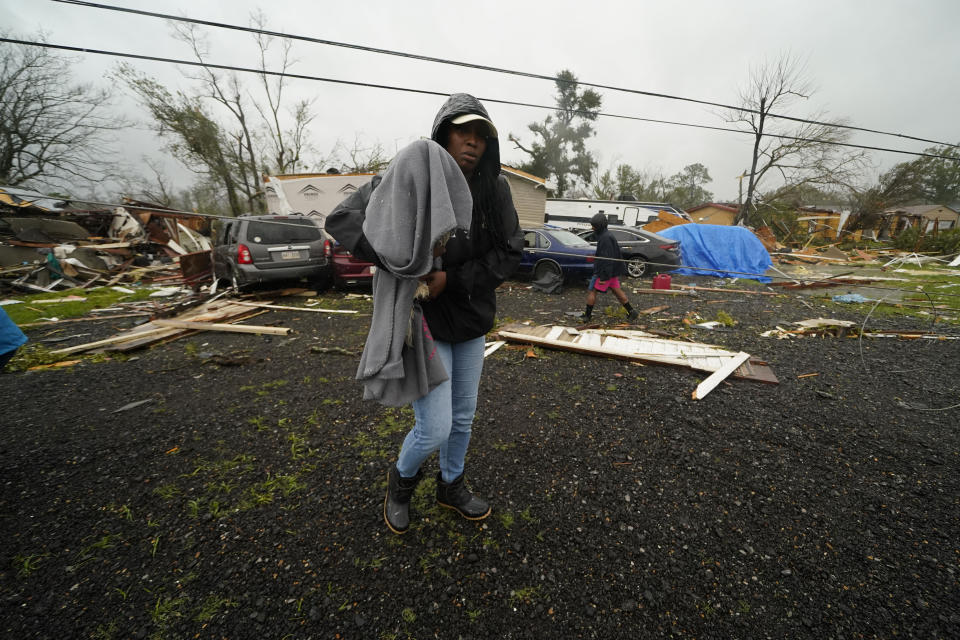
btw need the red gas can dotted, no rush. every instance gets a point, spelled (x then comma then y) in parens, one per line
(661, 281)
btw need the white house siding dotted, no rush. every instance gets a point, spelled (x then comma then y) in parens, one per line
(529, 198)
(313, 195)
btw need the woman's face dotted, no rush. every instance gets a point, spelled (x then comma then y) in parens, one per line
(466, 144)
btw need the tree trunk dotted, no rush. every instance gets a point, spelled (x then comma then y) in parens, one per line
(748, 207)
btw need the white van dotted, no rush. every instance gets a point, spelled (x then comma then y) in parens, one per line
(576, 214)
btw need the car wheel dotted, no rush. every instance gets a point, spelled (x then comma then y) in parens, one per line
(637, 267)
(546, 269)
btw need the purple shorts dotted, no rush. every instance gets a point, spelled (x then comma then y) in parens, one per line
(603, 285)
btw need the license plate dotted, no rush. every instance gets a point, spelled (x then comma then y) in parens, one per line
(289, 255)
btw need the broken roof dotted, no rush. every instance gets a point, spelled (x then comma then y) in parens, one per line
(25, 198)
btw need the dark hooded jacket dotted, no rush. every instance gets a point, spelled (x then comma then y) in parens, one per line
(475, 265)
(607, 247)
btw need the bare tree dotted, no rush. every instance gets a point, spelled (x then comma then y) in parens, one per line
(287, 145)
(53, 133)
(361, 158)
(227, 91)
(807, 155)
(222, 130)
(197, 139)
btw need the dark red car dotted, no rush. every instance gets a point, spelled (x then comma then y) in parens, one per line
(344, 269)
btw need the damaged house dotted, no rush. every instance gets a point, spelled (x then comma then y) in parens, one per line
(316, 194)
(928, 218)
(48, 245)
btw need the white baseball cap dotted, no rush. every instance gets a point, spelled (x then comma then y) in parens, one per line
(470, 117)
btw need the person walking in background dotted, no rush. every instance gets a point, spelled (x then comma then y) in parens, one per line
(11, 338)
(606, 272)
(459, 311)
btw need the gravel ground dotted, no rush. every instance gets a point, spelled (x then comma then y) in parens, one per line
(243, 499)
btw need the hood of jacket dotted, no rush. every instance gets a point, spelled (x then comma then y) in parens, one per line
(459, 104)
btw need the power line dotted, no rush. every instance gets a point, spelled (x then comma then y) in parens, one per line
(370, 85)
(470, 65)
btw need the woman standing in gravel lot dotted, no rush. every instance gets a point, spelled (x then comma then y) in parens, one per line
(459, 312)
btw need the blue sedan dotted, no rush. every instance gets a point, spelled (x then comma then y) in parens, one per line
(551, 251)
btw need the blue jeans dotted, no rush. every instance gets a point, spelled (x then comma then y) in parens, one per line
(445, 415)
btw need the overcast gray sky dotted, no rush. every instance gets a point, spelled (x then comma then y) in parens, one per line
(882, 64)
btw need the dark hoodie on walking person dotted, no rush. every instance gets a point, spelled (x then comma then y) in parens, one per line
(459, 312)
(608, 266)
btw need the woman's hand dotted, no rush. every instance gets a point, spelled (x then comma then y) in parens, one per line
(436, 281)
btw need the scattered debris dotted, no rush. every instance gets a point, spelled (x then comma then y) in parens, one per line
(288, 308)
(687, 287)
(132, 405)
(492, 347)
(337, 350)
(851, 298)
(201, 313)
(640, 346)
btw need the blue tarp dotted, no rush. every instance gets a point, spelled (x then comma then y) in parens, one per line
(734, 251)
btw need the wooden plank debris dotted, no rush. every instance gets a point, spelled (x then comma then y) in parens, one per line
(687, 287)
(719, 375)
(286, 308)
(212, 312)
(637, 346)
(220, 326)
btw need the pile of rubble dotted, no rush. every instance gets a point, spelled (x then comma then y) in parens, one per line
(47, 245)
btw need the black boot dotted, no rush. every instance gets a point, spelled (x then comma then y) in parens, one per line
(455, 495)
(396, 504)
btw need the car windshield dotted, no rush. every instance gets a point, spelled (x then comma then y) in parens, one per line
(569, 238)
(282, 231)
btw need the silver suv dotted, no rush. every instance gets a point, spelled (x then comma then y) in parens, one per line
(255, 249)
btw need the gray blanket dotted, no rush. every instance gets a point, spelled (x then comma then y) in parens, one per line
(422, 198)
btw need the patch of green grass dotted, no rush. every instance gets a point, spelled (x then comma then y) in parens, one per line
(167, 491)
(408, 615)
(526, 595)
(370, 448)
(725, 318)
(98, 298)
(211, 606)
(503, 446)
(395, 421)
(166, 608)
(104, 632)
(25, 565)
(33, 355)
(259, 422)
(507, 519)
(473, 615)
